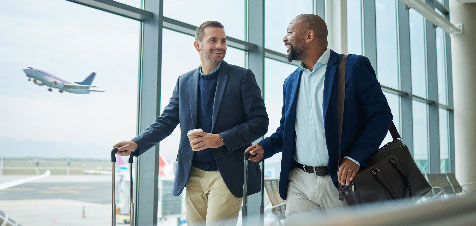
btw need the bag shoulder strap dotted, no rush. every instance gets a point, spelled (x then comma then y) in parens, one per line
(340, 102)
(340, 106)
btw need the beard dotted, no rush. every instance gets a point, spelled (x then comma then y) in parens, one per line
(210, 58)
(294, 54)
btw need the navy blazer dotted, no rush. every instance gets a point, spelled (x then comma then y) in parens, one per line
(239, 116)
(367, 117)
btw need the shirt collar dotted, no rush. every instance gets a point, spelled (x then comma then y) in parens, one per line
(211, 72)
(323, 60)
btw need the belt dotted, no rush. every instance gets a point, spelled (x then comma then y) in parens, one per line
(318, 170)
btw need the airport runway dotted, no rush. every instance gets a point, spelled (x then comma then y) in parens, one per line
(59, 200)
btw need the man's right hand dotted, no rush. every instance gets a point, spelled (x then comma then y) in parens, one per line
(125, 148)
(255, 150)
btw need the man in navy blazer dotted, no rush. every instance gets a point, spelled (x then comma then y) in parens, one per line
(307, 135)
(225, 102)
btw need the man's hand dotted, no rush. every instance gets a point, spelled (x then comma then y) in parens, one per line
(125, 147)
(205, 140)
(256, 150)
(347, 171)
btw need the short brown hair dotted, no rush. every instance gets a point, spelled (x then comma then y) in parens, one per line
(315, 23)
(199, 33)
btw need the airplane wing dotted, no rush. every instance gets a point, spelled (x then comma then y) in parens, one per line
(10, 184)
(92, 90)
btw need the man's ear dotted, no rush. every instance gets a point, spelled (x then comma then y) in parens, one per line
(310, 36)
(196, 44)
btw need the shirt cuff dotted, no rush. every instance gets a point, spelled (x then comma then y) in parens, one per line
(353, 160)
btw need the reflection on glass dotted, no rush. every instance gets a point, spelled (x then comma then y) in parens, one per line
(420, 135)
(354, 27)
(196, 12)
(278, 14)
(275, 73)
(69, 134)
(418, 59)
(441, 62)
(387, 58)
(394, 103)
(444, 142)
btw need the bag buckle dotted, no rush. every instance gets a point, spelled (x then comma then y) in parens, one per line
(315, 170)
(375, 171)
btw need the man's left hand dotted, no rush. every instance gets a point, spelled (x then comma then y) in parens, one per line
(205, 141)
(347, 171)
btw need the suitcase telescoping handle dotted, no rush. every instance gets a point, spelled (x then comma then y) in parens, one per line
(244, 209)
(131, 198)
(113, 160)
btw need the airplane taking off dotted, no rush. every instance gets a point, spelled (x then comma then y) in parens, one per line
(42, 78)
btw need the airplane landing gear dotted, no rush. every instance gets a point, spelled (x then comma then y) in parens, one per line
(50, 89)
(61, 91)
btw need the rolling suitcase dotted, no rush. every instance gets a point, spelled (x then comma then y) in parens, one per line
(244, 209)
(131, 209)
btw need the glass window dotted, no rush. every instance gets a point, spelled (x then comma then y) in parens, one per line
(444, 142)
(275, 74)
(278, 14)
(354, 27)
(196, 12)
(67, 133)
(387, 55)
(394, 103)
(418, 59)
(420, 135)
(441, 62)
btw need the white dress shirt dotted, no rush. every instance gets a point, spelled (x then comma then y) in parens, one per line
(311, 146)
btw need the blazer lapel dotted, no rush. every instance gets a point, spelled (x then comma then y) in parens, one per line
(194, 97)
(221, 85)
(294, 96)
(329, 82)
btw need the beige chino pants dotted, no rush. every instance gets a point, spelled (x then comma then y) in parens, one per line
(308, 193)
(209, 201)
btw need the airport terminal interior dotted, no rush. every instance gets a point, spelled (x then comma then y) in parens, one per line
(126, 56)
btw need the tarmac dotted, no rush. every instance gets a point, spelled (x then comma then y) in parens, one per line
(59, 200)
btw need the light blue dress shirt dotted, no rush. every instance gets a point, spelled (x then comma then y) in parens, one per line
(311, 146)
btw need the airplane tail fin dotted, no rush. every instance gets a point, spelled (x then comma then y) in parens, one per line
(89, 80)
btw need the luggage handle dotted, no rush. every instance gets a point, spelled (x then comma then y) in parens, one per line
(131, 198)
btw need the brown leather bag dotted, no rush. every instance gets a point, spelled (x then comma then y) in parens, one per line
(391, 172)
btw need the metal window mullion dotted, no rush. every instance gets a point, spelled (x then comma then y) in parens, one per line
(117, 8)
(432, 93)
(255, 27)
(404, 63)
(149, 109)
(369, 32)
(189, 29)
(449, 90)
(319, 8)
